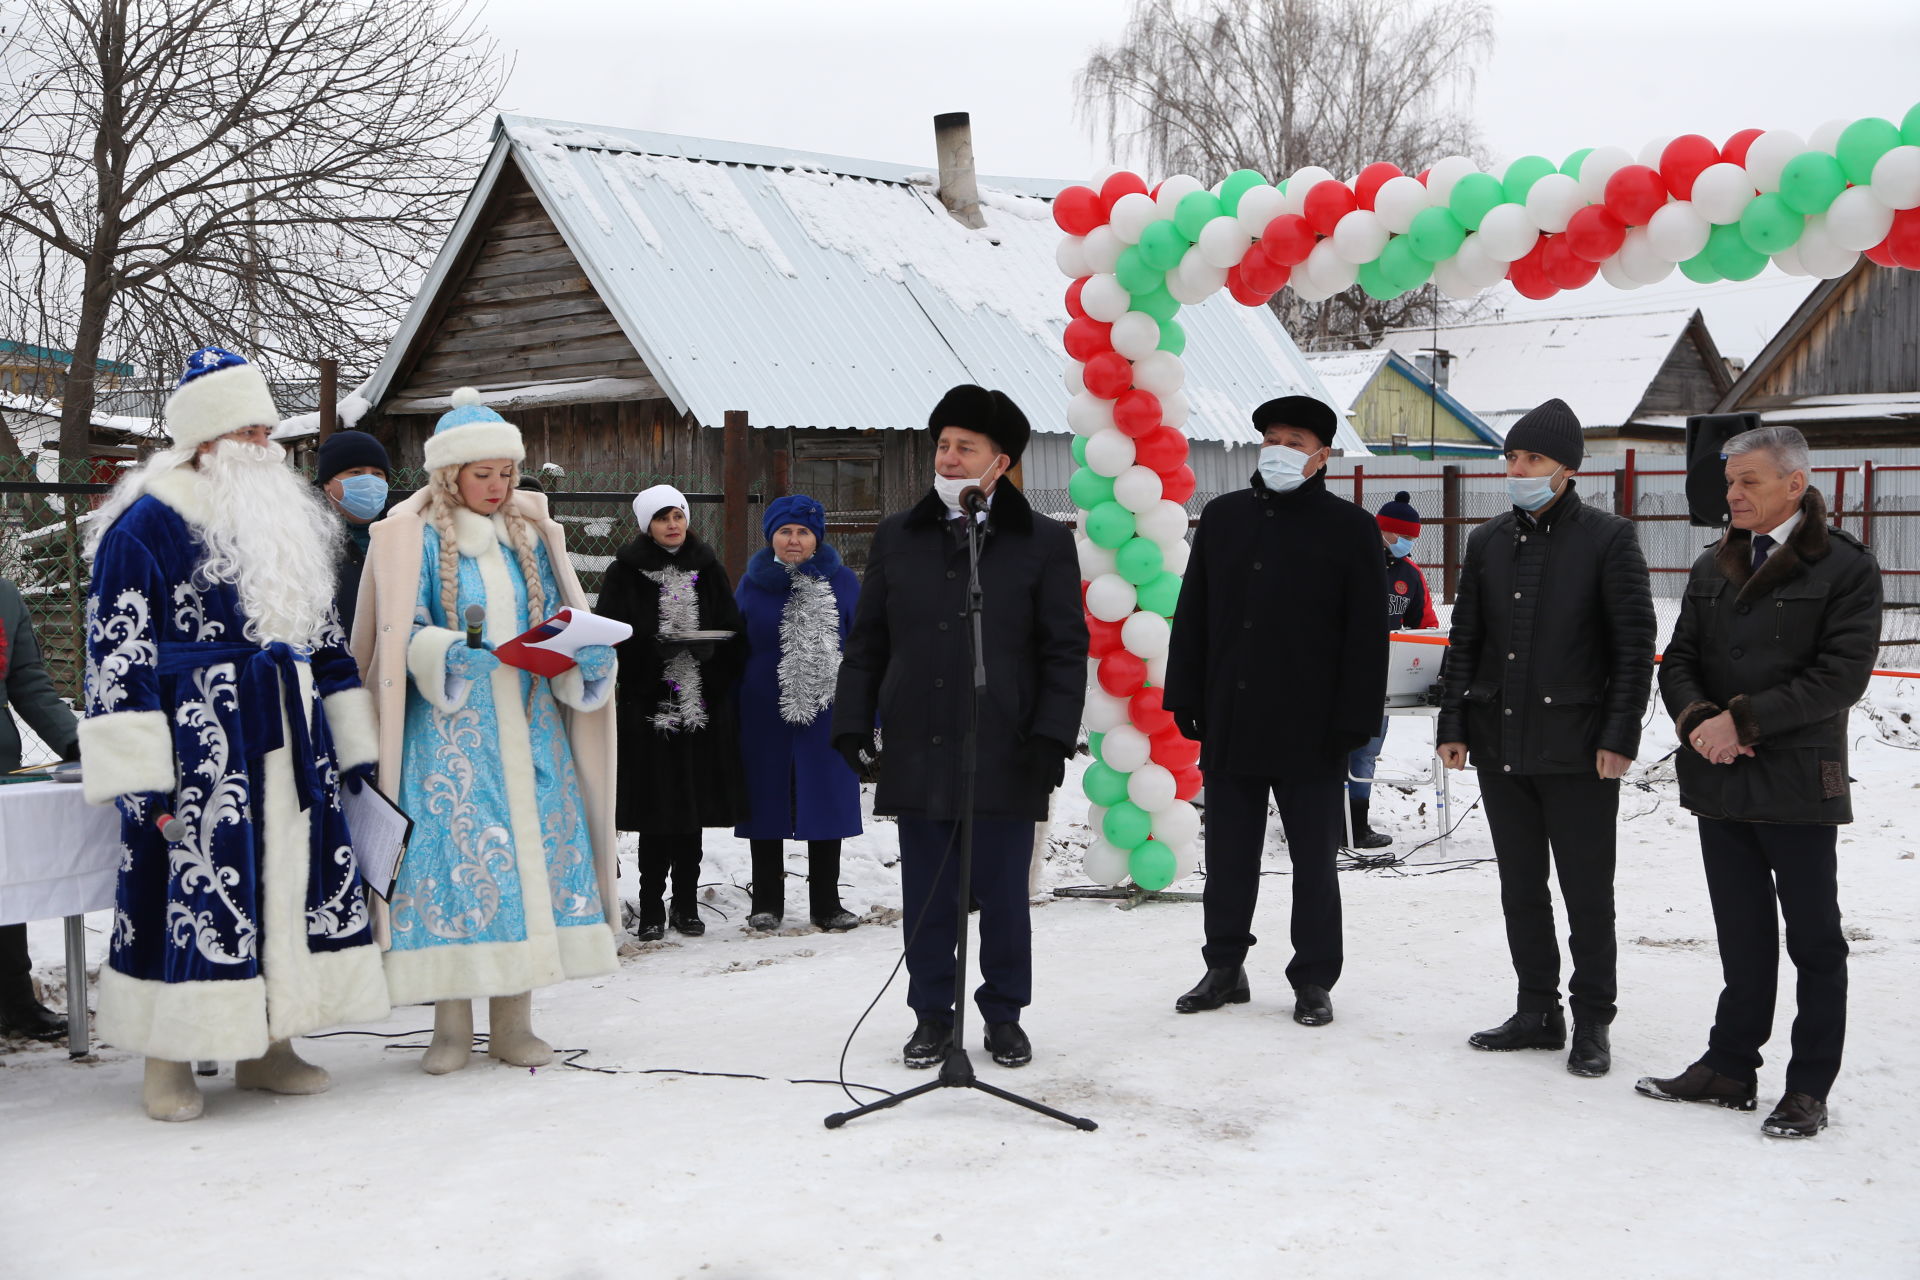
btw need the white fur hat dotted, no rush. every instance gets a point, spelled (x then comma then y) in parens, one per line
(218, 393)
(649, 503)
(471, 432)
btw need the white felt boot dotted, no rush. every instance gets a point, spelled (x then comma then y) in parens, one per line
(452, 1046)
(169, 1091)
(281, 1070)
(510, 1035)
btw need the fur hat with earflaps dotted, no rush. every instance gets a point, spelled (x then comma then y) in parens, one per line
(219, 393)
(471, 432)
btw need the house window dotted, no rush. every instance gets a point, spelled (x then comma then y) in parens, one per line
(844, 486)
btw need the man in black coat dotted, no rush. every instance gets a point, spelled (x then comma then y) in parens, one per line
(1549, 666)
(906, 667)
(351, 468)
(1278, 668)
(1775, 643)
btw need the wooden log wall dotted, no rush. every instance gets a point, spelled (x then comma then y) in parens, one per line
(1866, 342)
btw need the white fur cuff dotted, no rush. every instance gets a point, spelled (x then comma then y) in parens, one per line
(574, 690)
(427, 663)
(225, 1020)
(123, 753)
(356, 738)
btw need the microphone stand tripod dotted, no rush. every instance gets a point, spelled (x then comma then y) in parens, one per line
(956, 1071)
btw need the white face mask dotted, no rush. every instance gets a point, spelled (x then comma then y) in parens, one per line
(1283, 469)
(950, 489)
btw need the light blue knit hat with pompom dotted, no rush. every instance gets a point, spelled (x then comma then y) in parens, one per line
(471, 432)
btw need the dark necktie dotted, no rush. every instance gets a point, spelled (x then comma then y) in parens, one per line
(1762, 545)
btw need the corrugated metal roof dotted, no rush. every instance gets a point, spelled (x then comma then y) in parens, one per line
(819, 291)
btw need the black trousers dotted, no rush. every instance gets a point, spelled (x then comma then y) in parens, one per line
(1567, 819)
(1756, 873)
(661, 856)
(930, 885)
(15, 966)
(1310, 813)
(770, 876)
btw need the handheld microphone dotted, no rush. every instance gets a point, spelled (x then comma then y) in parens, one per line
(476, 616)
(172, 828)
(973, 500)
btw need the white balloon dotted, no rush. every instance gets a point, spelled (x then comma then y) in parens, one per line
(1102, 247)
(1768, 154)
(1100, 176)
(1096, 819)
(1175, 408)
(1186, 861)
(1258, 206)
(1616, 275)
(1827, 136)
(1600, 164)
(1553, 200)
(1157, 671)
(1095, 560)
(1721, 193)
(1103, 712)
(1074, 375)
(1174, 189)
(1089, 415)
(1160, 372)
(1857, 220)
(1070, 255)
(1104, 299)
(1110, 597)
(1303, 181)
(1125, 748)
(1819, 254)
(1146, 635)
(1174, 557)
(1678, 231)
(1507, 233)
(1398, 201)
(1222, 243)
(1358, 237)
(1450, 279)
(1327, 269)
(1197, 276)
(1165, 522)
(1444, 173)
(1175, 824)
(1137, 488)
(1478, 267)
(1788, 261)
(1151, 786)
(1896, 178)
(1641, 260)
(1305, 288)
(1131, 214)
(1651, 153)
(1110, 451)
(1135, 334)
(1104, 862)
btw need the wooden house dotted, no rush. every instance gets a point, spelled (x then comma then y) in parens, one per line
(1397, 408)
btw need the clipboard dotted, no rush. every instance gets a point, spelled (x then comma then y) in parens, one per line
(380, 831)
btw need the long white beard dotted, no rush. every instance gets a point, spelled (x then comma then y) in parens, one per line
(273, 537)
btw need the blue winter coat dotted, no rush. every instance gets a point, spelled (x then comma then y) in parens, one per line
(798, 786)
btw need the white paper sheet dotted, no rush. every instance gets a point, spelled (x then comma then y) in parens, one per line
(582, 628)
(380, 830)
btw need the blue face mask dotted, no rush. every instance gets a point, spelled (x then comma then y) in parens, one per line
(1530, 493)
(1400, 548)
(363, 497)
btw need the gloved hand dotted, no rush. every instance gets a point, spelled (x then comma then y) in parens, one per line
(1188, 724)
(1045, 758)
(358, 776)
(858, 750)
(595, 661)
(469, 663)
(145, 807)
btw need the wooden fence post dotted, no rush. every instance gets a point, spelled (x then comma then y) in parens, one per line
(329, 397)
(733, 487)
(1450, 529)
(1866, 502)
(1624, 487)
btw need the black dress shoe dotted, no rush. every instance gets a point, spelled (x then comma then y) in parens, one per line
(1008, 1044)
(837, 921)
(651, 932)
(764, 921)
(1312, 1006)
(686, 921)
(1524, 1030)
(1699, 1083)
(1592, 1053)
(928, 1045)
(27, 1017)
(1799, 1115)
(1220, 986)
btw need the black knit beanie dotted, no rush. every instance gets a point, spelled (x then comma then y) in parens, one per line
(346, 449)
(1553, 430)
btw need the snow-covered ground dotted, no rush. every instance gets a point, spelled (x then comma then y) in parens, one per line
(1230, 1143)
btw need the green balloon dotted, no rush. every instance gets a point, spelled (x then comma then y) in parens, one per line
(1522, 174)
(1731, 255)
(1127, 824)
(1910, 126)
(1150, 865)
(1159, 304)
(1079, 447)
(1093, 743)
(1861, 145)
(1140, 561)
(1238, 183)
(1402, 264)
(1109, 524)
(1373, 279)
(1700, 268)
(1435, 234)
(1572, 167)
(1136, 274)
(1160, 595)
(1088, 488)
(1105, 785)
(1810, 182)
(1474, 197)
(1768, 225)
(1195, 210)
(1161, 247)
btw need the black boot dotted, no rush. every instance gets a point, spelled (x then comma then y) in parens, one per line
(1524, 1030)
(1008, 1044)
(685, 919)
(823, 888)
(1312, 1006)
(1364, 836)
(1592, 1054)
(769, 884)
(21, 1014)
(1799, 1115)
(1699, 1083)
(649, 909)
(1220, 986)
(928, 1045)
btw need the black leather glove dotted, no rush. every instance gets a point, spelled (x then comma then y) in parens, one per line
(1188, 724)
(861, 755)
(1045, 758)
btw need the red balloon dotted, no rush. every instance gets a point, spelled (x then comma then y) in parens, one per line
(1421, 177)
(1155, 193)
(1122, 673)
(1087, 338)
(1136, 412)
(1161, 450)
(1149, 716)
(1370, 179)
(1288, 239)
(1178, 486)
(1635, 193)
(1107, 374)
(1327, 202)
(1103, 638)
(1563, 268)
(1690, 153)
(1074, 309)
(1530, 279)
(1117, 185)
(1594, 234)
(1260, 273)
(1186, 784)
(1903, 242)
(1172, 749)
(1243, 293)
(1735, 152)
(1882, 253)
(1077, 210)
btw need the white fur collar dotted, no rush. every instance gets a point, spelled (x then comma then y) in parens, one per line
(474, 533)
(185, 490)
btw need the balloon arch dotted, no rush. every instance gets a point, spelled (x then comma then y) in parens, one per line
(1136, 255)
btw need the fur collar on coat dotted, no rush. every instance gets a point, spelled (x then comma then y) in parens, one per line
(1808, 544)
(648, 556)
(769, 573)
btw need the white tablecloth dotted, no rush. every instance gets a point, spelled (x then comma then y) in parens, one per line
(59, 855)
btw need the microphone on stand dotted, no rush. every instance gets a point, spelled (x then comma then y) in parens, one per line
(476, 617)
(973, 500)
(173, 829)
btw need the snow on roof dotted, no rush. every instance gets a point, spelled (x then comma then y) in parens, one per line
(821, 291)
(1600, 365)
(1346, 374)
(107, 421)
(350, 409)
(1890, 405)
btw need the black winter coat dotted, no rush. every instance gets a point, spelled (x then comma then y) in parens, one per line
(27, 689)
(1550, 657)
(1280, 637)
(675, 782)
(906, 664)
(1788, 651)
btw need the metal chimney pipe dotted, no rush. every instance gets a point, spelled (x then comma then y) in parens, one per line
(953, 143)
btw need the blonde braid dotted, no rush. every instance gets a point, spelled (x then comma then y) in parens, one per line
(520, 531)
(445, 487)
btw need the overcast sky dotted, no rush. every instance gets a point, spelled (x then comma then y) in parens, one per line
(865, 78)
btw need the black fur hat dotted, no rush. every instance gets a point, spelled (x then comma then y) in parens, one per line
(1304, 412)
(992, 413)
